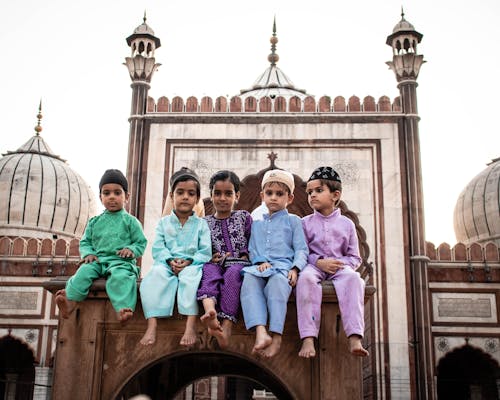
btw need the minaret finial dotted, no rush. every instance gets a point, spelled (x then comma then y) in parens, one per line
(144, 18)
(402, 14)
(273, 57)
(38, 127)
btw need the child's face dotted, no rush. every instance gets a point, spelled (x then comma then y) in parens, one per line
(224, 197)
(185, 197)
(320, 198)
(113, 197)
(276, 197)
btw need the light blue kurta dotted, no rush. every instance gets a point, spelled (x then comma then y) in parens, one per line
(279, 240)
(161, 286)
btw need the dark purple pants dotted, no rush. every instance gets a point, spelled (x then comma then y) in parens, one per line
(223, 284)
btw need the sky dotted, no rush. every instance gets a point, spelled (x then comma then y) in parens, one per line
(69, 54)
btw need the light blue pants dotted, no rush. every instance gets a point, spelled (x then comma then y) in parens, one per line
(263, 297)
(161, 287)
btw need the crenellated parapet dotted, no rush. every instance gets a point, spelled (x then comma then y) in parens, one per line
(279, 104)
(474, 263)
(38, 257)
(475, 252)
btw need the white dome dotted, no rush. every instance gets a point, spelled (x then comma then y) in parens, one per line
(41, 196)
(477, 211)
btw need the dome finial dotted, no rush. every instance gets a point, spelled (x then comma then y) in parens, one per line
(38, 127)
(273, 57)
(402, 14)
(144, 18)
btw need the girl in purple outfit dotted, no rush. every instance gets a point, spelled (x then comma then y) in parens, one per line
(220, 284)
(333, 256)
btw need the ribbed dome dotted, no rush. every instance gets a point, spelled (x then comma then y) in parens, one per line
(40, 195)
(403, 26)
(477, 212)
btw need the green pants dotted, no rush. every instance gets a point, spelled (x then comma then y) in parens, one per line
(121, 281)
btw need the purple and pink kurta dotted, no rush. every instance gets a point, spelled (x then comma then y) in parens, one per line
(222, 281)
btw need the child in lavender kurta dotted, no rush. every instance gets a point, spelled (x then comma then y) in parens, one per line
(220, 284)
(278, 251)
(333, 256)
(181, 247)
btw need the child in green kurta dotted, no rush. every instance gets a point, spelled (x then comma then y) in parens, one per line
(109, 248)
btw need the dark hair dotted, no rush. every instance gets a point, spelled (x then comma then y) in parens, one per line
(332, 185)
(225, 175)
(184, 175)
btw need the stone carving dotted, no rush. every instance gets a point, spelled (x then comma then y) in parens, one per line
(10, 300)
(464, 307)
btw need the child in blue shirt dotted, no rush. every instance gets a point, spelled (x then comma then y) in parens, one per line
(182, 245)
(278, 251)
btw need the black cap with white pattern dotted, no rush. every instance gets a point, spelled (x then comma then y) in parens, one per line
(327, 173)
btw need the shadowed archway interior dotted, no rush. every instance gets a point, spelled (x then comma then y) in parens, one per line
(166, 377)
(467, 373)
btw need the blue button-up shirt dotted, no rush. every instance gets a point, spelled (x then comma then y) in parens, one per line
(279, 240)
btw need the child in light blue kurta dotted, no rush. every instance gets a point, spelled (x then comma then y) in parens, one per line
(278, 251)
(181, 246)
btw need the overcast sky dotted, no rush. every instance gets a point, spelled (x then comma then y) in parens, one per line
(70, 54)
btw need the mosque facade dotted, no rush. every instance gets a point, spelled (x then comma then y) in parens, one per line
(434, 307)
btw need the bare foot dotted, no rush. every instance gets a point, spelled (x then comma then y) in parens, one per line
(307, 350)
(223, 336)
(356, 347)
(124, 315)
(189, 337)
(149, 337)
(209, 319)
(273, 348)
(66, 306)
(262, 339)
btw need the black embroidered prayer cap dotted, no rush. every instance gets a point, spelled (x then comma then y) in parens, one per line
(114, 176)
(327, 173)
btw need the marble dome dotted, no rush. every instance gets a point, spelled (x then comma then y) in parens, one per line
(477, 211)
(41, 196)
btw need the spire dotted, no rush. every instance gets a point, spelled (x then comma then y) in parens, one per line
(38, 127)
(273, 81)
(273, 57)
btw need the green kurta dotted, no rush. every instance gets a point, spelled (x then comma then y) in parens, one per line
(104, 235)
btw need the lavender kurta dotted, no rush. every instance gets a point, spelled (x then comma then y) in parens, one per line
(222, 281)
(333, 236)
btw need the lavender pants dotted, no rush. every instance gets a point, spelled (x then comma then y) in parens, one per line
(223, 284)
(350, 290)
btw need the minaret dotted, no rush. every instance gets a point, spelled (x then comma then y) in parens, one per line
(141, 66)
(406, 63)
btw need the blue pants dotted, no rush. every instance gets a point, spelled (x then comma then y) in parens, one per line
(265, 297)
(160, 288)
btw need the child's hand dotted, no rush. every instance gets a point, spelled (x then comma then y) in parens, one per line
(90, 259)
(216, 258)
(262, 267)
(125, 253)
(178, 264)
(292, 276)
(329, 265)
